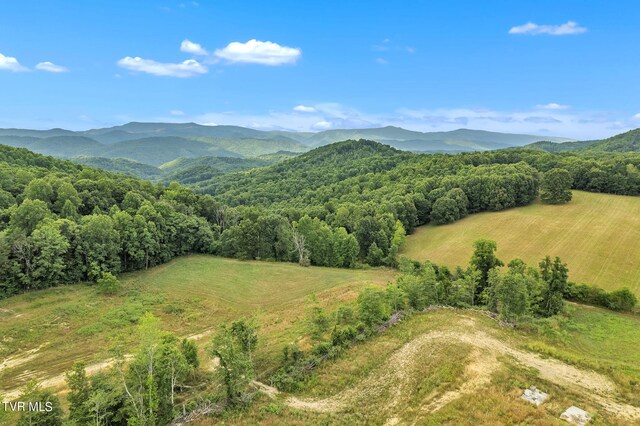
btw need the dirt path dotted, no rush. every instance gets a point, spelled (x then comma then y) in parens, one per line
(477, 375)
(24, 357)
(59, 380)
(392, 377)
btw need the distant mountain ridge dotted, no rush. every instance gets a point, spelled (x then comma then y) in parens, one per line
(455, 140)
(153, 150)
(246, 142)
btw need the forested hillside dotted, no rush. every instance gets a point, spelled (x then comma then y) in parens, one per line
(62, 222)
(612, 173)
(624, 142)
(121, 165)
(187, 171)
(192, 171)
(337, 205)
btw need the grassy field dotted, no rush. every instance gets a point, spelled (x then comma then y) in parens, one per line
(443, 366)
(44, 332)
(400, 377)
(597, 235)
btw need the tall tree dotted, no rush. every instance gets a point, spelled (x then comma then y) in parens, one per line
(50, 247)
(79, 395)
(139, 378)
(484, 259)
(99, 245)
(555, 274)
(299, 242)
(556, 186)
(236, 367)
(29, 214)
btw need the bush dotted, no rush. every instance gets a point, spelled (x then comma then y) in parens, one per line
(344, 315)
(621, 300)
(321, 349)
(343, 336)
(108, 283)
(618, 300)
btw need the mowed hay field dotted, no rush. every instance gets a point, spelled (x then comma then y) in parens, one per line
(44, 332)
(597, 235)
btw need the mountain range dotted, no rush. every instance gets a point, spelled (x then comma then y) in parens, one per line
(155, 144)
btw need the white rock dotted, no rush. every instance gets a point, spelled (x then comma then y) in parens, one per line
(576, 415)
(534, 396)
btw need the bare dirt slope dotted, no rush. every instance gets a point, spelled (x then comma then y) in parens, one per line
(392, 377)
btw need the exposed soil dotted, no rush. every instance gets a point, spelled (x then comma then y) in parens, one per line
(393, 377)
(17, 360)
(58, 381)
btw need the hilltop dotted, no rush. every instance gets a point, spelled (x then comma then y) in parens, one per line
(624, 142)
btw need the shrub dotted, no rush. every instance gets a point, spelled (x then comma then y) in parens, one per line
(621, 300)
(618, 300)
(343, 336)
(108, 283)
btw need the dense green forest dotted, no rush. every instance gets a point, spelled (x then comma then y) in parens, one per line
(186, 171)
(337, 205)
(624, 142)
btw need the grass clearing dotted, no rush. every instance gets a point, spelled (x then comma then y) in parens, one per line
(44, 332)
(597, 235)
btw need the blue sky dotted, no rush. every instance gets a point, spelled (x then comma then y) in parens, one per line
(567, 68)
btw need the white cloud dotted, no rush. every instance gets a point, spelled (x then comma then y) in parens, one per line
(194, 48)
(177, 113)
(387, 46)
(576, 124)
(259, 52)
(9, 63)
(637, 116)
(381, 61)
(552, 105)
(188, 68)
(530, 28)
(304, 108)
(322, 125)
(51, 67)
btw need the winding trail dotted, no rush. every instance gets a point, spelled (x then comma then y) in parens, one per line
(393, 377)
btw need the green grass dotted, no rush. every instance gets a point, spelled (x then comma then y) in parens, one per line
(197, 293)
(191, 295)
(597, 235)
(597, 339)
